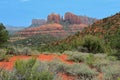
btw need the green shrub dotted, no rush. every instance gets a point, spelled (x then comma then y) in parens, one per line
(19, 50)
(111, 58)
(118, 78)
(81, 71)
(56, 66)
(101, 63)
(93, 44)
(90, 60)
(111, 72)
(13, 50)
(4, 74)
(3, 55)
(78, 57)
(27, 70)
(32, 70)
(23, 68)
(26, 51)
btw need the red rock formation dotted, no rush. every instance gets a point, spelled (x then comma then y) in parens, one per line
(52, 29)
(53, 18)
(77, 23)
(37, 22)
(72, 18)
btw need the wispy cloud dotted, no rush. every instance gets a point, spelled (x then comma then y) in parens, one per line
(24, 0)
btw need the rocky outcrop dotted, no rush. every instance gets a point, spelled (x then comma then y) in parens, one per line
(57, 26)
(75, 19)
(38, 22)
(76, 28)
(72, 18)
(51, 29)
(53, 18)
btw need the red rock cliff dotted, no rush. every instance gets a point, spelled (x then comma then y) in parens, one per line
(72, 18)
(53, 18)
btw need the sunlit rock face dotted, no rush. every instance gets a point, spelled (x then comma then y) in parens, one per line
(53, 18)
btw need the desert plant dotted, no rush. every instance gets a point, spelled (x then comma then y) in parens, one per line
(23, 68)
(78, 57)
(4, 74)
(56, 66)
(27, 70)
(93, 44)
(111, 72)
(90, 60)
(19, 50)
(27, 51)
(3, 55)
(13, 50)
(101, 63)
(81, 71)
(31, 70)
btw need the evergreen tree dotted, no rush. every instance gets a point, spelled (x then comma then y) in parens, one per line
(3, 34)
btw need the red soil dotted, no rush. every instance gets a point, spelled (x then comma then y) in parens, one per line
(42, 57)
(66, 77)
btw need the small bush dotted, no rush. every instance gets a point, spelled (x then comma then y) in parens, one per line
(3, 55)
(90, 60)
(31, 70)
(111, 72)
(93, 44)
(19, 51)
(78, 57)
(56, 66)
(101, 63)
(82, 49)
(81, 71)
(27, 51)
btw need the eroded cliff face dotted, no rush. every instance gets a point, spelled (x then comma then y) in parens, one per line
(72, 18)
(52, 29)
(55, 18)
(75, 19)
(38, 22)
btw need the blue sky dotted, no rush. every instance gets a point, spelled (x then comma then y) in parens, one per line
(21, 12)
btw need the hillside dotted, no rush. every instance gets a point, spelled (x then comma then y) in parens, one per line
(108, 29)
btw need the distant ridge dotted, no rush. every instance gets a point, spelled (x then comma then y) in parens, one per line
(70, 24)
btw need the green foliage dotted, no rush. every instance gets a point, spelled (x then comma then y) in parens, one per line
(21, 50)
(77, 57)
(24, 68)
(82, 71)
(90, 60)
(56, 66)
(118, 78)
(111, 72)
(93, 44)
(3, 55)
(101, 63)
(3, 34)
(27, 51)
(115, 44)
(29, 70)
(36, 40)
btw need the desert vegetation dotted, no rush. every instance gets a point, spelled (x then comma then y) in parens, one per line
(93, 54)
